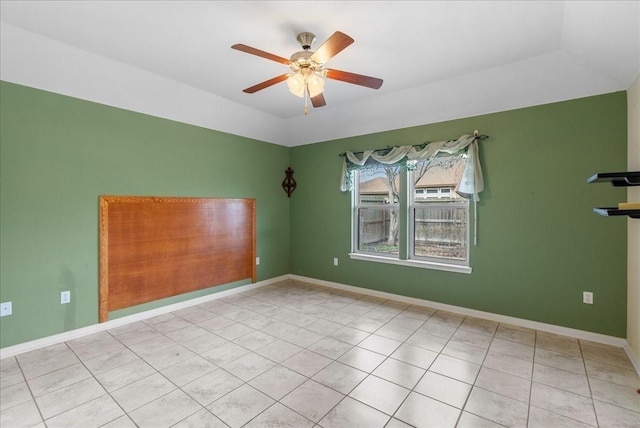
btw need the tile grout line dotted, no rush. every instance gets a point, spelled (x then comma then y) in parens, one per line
(533, 368)
(35, 403)
(301, 326)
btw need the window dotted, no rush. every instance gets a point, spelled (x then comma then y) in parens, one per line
(411, 203)
(438, 224)
(376, 211)
(434, 218)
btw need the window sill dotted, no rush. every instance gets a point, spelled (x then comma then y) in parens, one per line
(411, 263)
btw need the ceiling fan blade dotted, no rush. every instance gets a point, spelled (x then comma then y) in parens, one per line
(266, 84)
(357, 79)
(318, 100)
(263, 54)
(334, 44)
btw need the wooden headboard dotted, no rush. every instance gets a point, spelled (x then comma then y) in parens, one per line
(157, 247)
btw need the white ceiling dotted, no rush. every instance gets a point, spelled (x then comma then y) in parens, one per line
(438, 60)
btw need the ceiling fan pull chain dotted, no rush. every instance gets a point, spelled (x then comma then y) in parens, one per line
(306, 99)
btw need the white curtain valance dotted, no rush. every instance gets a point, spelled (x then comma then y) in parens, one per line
(471, 183)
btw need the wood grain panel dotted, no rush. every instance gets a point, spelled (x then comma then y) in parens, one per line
(157, 247)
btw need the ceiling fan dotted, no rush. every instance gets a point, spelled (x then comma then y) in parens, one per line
(307, 68)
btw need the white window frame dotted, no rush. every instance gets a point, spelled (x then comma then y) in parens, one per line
(405, 213)
(411, 210)
(355, 218)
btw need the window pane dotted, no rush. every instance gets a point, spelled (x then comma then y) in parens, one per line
(379, 185)
(378, 231)
(440, 230)
(438, 178)
(439, 214)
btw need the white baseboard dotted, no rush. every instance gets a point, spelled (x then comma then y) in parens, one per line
(95, 328)
(535, 325)
(633, 357)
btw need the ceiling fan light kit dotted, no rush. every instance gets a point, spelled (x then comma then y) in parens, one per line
(306, 80)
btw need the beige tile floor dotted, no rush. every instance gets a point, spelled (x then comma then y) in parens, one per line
(296, 355)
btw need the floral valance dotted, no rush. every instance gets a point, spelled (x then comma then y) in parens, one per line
(471, 183)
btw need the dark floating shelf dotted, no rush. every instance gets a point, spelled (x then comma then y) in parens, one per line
(618, 179)
(615, 211)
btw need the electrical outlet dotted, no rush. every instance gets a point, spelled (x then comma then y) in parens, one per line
(5, 309)
(257, 261)
(587, 297)
(335, 261)
(65, 297)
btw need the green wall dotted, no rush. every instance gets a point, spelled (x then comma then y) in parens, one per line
(58, 154)
(540, 245)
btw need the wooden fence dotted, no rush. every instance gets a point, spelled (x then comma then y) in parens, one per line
(440, 228)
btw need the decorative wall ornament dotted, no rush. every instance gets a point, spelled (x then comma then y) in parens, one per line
(289, 184)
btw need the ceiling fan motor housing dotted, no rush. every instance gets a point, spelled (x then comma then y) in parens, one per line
(302, 59)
